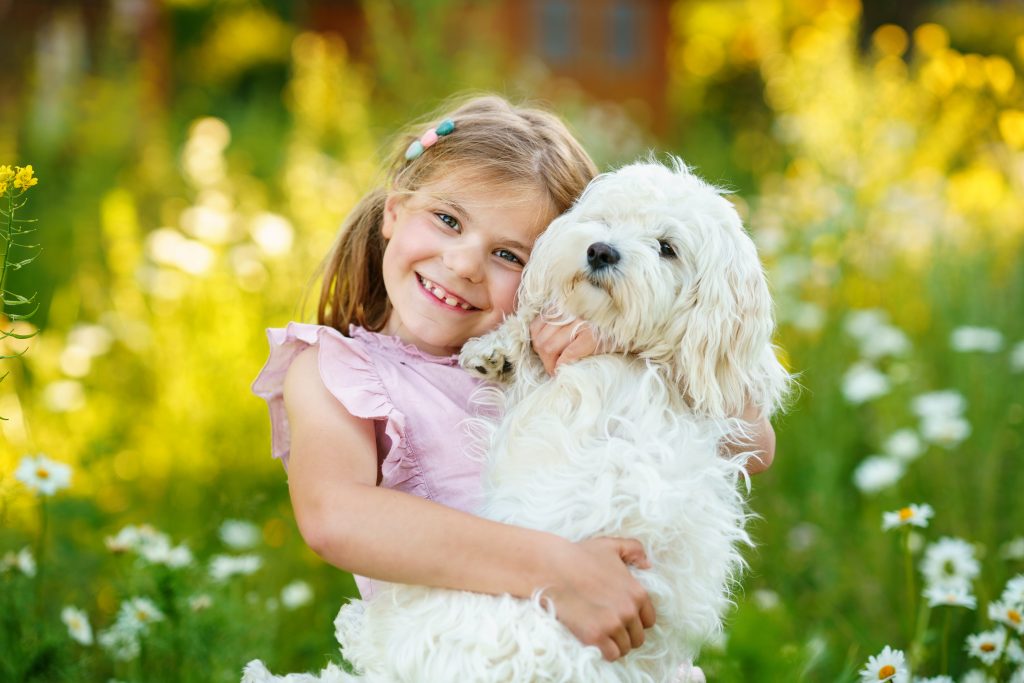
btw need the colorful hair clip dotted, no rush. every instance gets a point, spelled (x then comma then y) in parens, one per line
(428, 139)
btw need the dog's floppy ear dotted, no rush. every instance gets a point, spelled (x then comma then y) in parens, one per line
(724, 357)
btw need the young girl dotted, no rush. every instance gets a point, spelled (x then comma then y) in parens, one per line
(366, 407)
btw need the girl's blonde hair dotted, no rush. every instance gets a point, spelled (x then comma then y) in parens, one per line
(496, 142)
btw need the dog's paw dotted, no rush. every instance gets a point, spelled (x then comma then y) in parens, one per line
(483, 358)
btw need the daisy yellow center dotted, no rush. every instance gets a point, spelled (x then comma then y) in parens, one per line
(905, 514)
(43, 473)
(987, 647)
(886, 671)
(1013, 615)
(142, 616)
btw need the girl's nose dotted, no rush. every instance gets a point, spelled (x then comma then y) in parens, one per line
(465, 262)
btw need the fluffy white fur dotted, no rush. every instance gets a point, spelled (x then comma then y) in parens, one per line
(626, 444)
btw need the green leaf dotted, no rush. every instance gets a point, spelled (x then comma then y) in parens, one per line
(6, 333)
(23, 316)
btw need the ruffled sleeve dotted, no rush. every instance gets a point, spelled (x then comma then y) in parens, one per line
(347, 372)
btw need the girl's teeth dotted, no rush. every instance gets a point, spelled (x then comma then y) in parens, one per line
(443, 295)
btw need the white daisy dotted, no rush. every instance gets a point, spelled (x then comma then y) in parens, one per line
(977, 676)
(197, 603)
(142, 539)
(223, 567)
(162, 553)
(21, 560)
(945, 431)
(862, 382)
(987, 645)
(1014, 651)
(296, 594)
(886, 341)
(911, 515)
(1017, 676)
(946, 403)
(1017, 357)
(888, 665)
(865, 322)
(43, 475)
(903, 444)
(1013, 593)
(949, 561)
(766, 599)
(126, 539)
(77, 622)
(951, 595)
(877, 472)
(935, 679)
(1007, 613)
(807, 316)
(239, 534)
(139, 613)
(1012, 549)
(983, 339)
(122, 643)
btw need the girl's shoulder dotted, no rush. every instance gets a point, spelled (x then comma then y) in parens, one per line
(374, 376)
(345, 365)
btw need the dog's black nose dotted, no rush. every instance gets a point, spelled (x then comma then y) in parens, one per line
(601, 255)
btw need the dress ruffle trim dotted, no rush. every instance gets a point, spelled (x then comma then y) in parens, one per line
(391, 341)
(348, 373)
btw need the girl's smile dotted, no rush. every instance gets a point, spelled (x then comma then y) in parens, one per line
(455, 254)
(443, 296)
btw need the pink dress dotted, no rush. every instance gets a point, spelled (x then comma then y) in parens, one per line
(418, 403)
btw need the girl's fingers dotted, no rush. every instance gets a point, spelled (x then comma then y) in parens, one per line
(581, 346)
(562, 343)
(622, 641)
(632, 552)
(609, 650)
(647, 614)
(636, 633)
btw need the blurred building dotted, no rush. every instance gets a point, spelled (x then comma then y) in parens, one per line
(614, 50)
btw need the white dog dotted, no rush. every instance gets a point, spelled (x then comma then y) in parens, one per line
(628, 444)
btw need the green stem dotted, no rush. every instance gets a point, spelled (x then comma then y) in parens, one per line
(945, 641)
(40, 553)
(6, 238)
(909, 567)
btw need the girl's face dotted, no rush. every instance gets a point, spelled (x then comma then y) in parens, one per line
(455, 254)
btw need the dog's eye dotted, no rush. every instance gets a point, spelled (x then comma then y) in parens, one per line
(666, 249)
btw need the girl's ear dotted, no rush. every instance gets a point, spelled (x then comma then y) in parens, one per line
(387, 224)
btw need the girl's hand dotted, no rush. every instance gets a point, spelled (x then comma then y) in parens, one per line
(597, 598)
(761, 442)
(557, 344)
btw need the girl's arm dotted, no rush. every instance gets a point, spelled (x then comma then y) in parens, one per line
(352, 523)
(557, 344)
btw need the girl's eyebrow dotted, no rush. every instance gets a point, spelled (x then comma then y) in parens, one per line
(515, 244)
(452, 203)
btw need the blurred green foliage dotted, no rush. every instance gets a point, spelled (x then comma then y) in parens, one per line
(190, 187)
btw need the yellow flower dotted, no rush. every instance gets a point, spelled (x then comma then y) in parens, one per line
(6, 176)
(24, 179)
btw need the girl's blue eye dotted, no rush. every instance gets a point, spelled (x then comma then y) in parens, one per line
(508, 256)
(449, 221)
